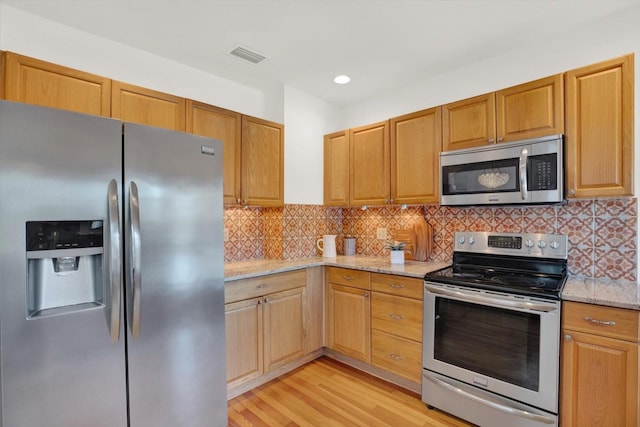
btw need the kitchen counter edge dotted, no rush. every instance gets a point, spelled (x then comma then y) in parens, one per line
(255, 268)
(613, 293)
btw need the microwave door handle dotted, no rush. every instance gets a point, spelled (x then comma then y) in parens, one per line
(523, 173)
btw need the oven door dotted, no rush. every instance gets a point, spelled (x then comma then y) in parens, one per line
(501, 343)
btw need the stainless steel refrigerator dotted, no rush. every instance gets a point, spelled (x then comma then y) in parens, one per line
(111, 273)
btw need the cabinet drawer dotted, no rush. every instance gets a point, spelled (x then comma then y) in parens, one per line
(354, 278)
(606, 321)
(398, 355)
(397, 315)
(397, 285)
(259, 286)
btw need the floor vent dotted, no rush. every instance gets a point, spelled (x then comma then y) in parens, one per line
(247, 55)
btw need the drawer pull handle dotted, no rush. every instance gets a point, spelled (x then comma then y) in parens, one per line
(262, 286)
(600, 322)
(396, 286)
(396, 316)
(349, 278)
(396, 356)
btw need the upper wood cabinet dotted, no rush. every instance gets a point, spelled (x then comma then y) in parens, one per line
(37, 82)
(469, 123)
(213, 122)
(262, 162)
(369, 165)
(599, 136)
(148, 107)
(524, 111)
(416, 141)
(336, 169)
(530, 110)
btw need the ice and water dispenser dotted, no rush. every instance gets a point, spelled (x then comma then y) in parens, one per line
(64, 266)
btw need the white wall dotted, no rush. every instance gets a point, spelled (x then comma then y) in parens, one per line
(306, 119)
(40, 38)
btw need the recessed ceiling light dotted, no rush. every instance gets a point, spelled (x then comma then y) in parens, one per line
(342, 79)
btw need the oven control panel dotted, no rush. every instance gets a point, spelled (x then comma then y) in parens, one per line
(517, 244)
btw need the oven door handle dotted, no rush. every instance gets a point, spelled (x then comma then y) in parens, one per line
(495, 405)
(492, 300)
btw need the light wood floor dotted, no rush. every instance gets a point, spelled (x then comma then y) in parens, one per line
(328, 393)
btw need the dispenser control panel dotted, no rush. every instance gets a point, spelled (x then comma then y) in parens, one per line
(54, 235)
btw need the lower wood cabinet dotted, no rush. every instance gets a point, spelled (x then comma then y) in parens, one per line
(377, 319)
(599, 378)
(396, 325)
(267, 330)
(348, 312)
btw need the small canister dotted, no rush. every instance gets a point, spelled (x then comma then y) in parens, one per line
(349, 245)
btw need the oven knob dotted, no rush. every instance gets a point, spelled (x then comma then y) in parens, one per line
(542, 244)
(554, 244)
(471, 240)
(461, 240)
(528, 243)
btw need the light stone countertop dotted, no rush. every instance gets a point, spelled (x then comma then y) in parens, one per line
(614, 293)
(260, 267)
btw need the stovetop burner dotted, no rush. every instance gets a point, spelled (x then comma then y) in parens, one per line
(526, 272)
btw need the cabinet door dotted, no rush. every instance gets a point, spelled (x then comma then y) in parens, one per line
(349, 321)
(148, 107)
(283, 328)
(262, 162)
(243, 324)
(530, 110)
(369, 164)
(32, 81)
(599, 384)
(336, 169)
(599, 135)
(469, 123)
(224, 125)
(416, 141)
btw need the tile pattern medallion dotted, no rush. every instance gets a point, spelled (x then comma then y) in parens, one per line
(602, 233)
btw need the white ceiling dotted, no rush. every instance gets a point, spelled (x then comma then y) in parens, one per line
(381, 44)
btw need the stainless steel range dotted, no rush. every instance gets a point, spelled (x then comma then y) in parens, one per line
(492, 329)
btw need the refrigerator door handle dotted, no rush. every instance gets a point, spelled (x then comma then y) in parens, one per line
(134, 211)
(115, 265)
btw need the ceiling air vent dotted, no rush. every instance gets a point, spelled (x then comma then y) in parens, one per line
(247, 55)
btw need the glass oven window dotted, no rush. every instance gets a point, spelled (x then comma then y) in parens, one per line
(499, 343)
(497, 176)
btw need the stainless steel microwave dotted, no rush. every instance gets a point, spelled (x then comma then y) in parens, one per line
(527, 171)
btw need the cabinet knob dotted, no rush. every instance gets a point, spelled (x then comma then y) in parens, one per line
(238, 200)
(572, 192)
(267, 300)
(490, 140)
(500, 139)
(567, 337)
(366, 294)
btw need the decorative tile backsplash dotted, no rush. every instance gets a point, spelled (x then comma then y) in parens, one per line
(602, 233)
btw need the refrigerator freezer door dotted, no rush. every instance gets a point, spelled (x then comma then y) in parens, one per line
(60, 367)
(176, 369)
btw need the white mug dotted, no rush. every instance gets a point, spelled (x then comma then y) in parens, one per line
(327, 245)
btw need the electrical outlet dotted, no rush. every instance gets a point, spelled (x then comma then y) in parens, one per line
(226, 235)
(381, 233)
